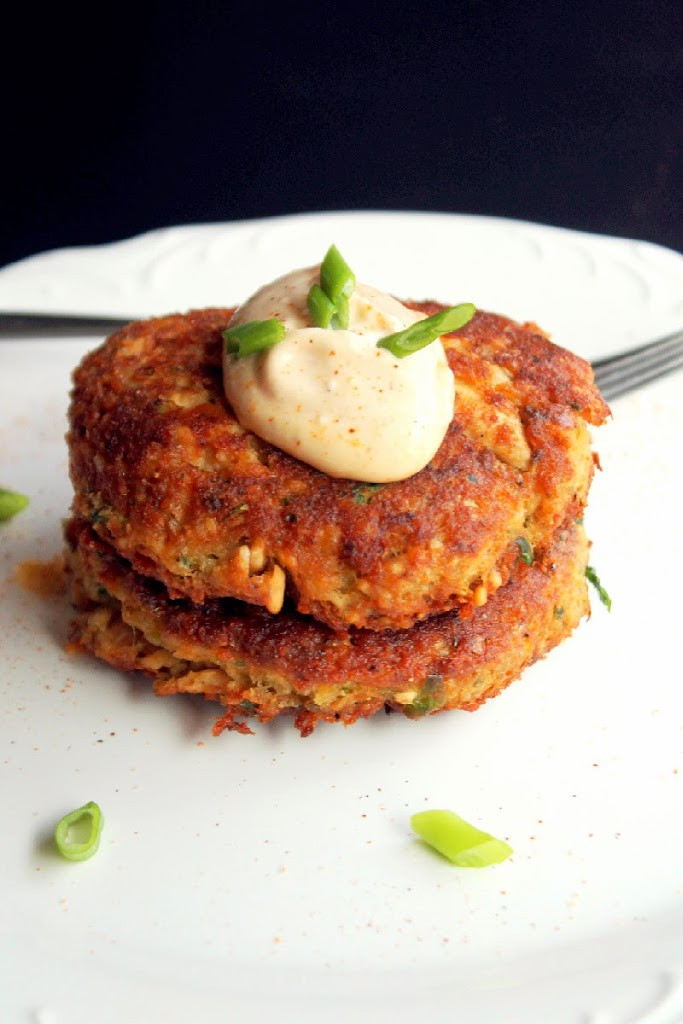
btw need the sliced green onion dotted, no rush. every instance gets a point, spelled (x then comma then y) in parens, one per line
(336, 277)
(328, 302)
(424, 704)
(424, 332)
(592, 577)
(526, 552)
(11, 502)
(463, 844)
(77, 835)
(245, 339)
(320, 306)
(340, 320)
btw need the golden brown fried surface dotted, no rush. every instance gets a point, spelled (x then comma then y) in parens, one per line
(263, 665)
(164, 472)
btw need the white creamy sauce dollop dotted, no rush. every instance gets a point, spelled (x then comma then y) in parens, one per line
(332, 398)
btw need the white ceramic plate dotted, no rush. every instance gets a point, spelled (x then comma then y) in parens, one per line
(246, 876)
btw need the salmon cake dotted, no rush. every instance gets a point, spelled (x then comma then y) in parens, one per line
(258, 665)
(170, 481)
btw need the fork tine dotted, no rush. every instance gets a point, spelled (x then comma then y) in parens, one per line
(616, 375)
(617, 386)
(643, 351)
(626, 367)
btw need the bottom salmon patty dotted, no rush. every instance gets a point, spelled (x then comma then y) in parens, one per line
(259, 665)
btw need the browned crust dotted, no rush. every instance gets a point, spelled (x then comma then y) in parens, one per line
(264, 665)
(164, 472)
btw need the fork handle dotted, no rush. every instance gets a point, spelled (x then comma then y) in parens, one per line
(58, 323)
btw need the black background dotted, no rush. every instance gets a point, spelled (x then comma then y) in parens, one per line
(121, 119)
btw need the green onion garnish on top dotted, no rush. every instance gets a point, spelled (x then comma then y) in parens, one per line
(254, 336)
(11, 502)
(320, 306)
(77, 835)
(340, 320)
(337, 282)
(463, 844)
(424, 332)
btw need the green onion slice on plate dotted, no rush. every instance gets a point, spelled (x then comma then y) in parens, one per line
(254, 336)
(77, 835)
(424, 332)
(11, 502)
(461, 843)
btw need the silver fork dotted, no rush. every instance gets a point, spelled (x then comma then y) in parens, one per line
(55, 324)
(618, 374)
(615, 375)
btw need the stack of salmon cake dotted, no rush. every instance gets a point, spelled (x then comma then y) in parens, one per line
(219, 564)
